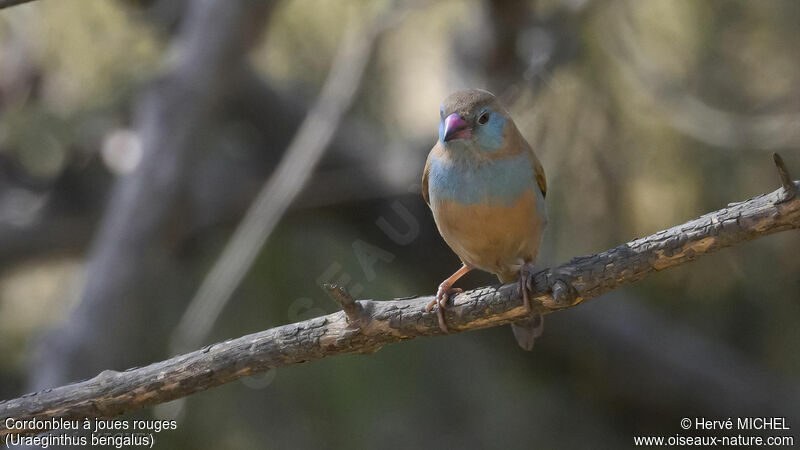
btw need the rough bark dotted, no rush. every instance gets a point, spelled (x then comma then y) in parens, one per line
(368, 325)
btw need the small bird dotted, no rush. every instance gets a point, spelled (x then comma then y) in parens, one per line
(486, 188)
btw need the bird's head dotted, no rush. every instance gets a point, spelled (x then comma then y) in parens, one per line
(472, 120)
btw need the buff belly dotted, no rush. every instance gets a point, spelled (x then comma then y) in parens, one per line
(494, 238)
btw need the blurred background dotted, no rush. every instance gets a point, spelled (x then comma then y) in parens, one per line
(134, 136)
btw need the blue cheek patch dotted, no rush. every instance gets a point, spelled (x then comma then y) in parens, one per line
(490, 136)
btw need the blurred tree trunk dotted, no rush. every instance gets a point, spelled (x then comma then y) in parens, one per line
(126, 290)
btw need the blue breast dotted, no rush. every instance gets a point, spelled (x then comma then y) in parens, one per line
(496, 181)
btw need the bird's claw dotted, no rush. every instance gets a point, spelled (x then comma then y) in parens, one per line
(526, 284)
(442, 295)
(564, 293)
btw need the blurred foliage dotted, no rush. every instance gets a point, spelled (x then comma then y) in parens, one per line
(87, 53)
(667, 110)
(76, 61)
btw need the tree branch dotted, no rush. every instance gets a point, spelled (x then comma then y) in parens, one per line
(383, 322)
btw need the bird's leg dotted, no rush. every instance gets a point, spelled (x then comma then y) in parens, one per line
(445, 289)
(526, 283)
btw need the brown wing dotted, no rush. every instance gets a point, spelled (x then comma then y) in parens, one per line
(425, 172)
(537, 169)
(425, 184)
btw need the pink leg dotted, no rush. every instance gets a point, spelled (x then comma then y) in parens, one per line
(442, 294)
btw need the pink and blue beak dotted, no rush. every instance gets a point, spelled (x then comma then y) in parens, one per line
(454, 127)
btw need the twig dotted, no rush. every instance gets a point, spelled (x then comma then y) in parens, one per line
(114, 393)
(786, 181)
(289, 177)
(346, 301)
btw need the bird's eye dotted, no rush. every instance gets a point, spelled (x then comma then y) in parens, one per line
(441, 114)
(484, 118)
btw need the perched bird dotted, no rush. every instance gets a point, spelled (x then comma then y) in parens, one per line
(486, 189)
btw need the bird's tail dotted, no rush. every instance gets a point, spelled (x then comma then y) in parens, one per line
(527, 330)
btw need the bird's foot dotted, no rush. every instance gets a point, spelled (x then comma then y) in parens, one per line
(442, 295)
(564, 293)
(527, 330)
(526, 284)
